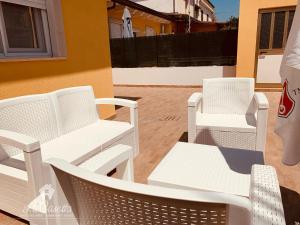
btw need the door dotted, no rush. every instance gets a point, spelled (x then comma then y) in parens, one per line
(274, 27)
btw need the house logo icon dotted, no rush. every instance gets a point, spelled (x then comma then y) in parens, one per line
(43, 204)
(47, 191)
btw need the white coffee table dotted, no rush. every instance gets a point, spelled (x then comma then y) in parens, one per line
(203, 167)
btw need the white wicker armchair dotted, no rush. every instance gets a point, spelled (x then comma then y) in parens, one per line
(97, 199)
(228, 114)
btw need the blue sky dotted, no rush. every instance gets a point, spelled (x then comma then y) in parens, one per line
(226, 8)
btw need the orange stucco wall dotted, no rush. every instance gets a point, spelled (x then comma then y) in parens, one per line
(248, 27)
(87, 61)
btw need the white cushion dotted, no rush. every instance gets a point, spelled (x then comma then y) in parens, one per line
(79, 145)
(226, 122)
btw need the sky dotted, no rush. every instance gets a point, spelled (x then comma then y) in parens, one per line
(226, 8)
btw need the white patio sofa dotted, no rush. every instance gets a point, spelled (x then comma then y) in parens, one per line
(62, 124)
(228, 113)
(96, 199)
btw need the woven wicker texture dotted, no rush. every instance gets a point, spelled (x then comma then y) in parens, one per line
(265, 196)
(227, 139)
(77, 109)
(106, 206)
(32, 117)
(227, 96)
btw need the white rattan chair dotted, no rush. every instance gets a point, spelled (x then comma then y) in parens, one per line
(228, 114)
(62, 124)
(97, 199)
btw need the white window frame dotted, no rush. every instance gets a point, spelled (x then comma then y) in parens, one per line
(53, 26)
(22, 52)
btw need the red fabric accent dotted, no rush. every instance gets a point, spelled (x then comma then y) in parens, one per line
(287, 104)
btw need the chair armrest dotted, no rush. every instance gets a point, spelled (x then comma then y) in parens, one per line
(116, 101)
(195, 99)
(261, 107)
(265, 196)
(193, 107)
(261, 100)
(133, 105)
(119, 156)
(32, 155)
(20, 141)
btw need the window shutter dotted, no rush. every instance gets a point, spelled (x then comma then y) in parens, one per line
(41, 4)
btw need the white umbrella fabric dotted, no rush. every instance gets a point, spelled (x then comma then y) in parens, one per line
(288, 124)
(127, 24)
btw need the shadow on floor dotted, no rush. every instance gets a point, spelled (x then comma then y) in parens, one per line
(291, 206)
(184, 137)
(12, 217)
(128, 98)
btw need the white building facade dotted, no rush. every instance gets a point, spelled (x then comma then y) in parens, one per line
(202, 10)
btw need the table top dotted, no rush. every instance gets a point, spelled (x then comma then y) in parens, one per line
(203, 167)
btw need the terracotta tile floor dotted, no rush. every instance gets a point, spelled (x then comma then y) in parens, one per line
(163, 122)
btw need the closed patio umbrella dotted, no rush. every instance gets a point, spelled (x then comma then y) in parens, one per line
(288, 124)
(127, 24)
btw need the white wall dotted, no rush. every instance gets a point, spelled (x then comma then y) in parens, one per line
(170, 75)
(166, 6)
(158, 5)
(206, 12)
(181, 7)
(268, 69)
(115, 28)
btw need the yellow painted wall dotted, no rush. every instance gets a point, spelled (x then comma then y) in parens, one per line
(246, 61)
(139, 22)
(87, 62)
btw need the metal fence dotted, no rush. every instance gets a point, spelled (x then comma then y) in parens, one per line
(195, 49)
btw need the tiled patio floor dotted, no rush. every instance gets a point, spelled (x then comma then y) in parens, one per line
(163, 122)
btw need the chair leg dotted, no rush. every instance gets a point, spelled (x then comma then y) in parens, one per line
(192, 130)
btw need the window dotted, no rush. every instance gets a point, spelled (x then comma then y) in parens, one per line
(31, 29)
(162, 28)
(274, 28)
(24, 31)
(202, 14)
